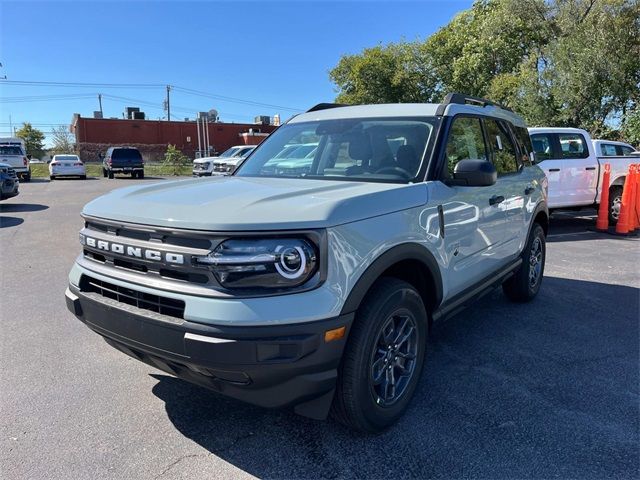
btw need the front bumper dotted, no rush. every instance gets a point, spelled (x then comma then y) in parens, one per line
(271, 366)
(201, 173)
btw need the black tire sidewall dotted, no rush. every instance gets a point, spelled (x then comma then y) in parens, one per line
(402, 297)
(536, 232)
(614, 192)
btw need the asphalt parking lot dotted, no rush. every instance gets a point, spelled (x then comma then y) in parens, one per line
(547, 389)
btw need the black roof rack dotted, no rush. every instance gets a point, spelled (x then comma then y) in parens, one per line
(325, 106)
(462, 99)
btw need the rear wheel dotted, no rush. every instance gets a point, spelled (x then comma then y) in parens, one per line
(524, 285)
(27, 177)
(110, 173)
(52, 177)
(140, 175)
(383, 358)
(615, 200)
(83, 177)
(104, 172)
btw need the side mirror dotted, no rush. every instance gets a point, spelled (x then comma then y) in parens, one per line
(101, 156)
(29, 156)
(475, 173)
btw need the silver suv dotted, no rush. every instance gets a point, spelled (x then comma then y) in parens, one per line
(316, 288)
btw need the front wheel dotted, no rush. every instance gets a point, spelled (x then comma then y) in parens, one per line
(27, 177)
(383, 358)
(525, 283)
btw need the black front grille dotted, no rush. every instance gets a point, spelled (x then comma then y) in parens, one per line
(145, 301)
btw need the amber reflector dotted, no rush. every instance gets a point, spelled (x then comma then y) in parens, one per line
(335, 334)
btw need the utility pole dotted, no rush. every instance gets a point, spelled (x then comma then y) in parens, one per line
(168, 104)
(100, 102)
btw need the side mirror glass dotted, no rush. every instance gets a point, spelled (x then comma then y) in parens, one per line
(475, 173)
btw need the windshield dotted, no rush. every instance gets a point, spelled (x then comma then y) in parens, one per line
(5, 150)
(230, 153)
(359, 149)
(66, 157)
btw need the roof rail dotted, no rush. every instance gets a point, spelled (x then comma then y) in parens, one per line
(325, 106)
(462, 99)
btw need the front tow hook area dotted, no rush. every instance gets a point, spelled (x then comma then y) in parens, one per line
(73, 303)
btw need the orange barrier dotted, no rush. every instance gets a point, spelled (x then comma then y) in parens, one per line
(637, 195)
(624, 225)
(602, 223)
(634, 224)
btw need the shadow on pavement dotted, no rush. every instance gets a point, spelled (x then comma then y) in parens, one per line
(6, 222)
(533, 390)
(572, 227)
(22, 207)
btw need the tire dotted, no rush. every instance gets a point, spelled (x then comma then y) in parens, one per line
(104, 173)
(83, 177)
(360, 403)
(110, 174)
(525, 284)
(140, 175)
(615, 199)
(27, 177)
(134, 174)
(52, 177)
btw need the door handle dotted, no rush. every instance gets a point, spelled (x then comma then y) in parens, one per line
(554, 169)
(496, 199)
(529, 190)
(590, 168)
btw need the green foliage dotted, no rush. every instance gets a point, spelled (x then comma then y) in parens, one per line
(33, 139)
(175, 160)
(557, 62)
(631, 128)
(63, 141)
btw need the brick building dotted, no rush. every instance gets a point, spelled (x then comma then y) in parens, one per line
(151, 137)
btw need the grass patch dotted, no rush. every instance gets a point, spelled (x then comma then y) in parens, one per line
(93, 170)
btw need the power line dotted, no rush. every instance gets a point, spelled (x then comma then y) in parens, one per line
(232, 99)
(82, 84)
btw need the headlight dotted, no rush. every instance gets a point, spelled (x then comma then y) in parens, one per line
(271, 263)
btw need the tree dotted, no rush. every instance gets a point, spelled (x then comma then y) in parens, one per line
(63, 141)
(557, 62)
(33, 139)
(631, 128)
(175, 160)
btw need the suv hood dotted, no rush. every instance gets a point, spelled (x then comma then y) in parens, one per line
(252, 203)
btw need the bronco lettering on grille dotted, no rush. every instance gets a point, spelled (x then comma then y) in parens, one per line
(135, 252)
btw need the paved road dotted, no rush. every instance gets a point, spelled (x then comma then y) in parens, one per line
(548, 389)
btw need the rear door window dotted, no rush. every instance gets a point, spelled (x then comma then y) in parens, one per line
(542, 146)
(608, 150)
(573, 145)
(503, 152)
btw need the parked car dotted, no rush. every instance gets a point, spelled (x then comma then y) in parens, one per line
(127, 160)
(13, 153)
(67, 166)
(574, 169)
(317, 292)
(609, 148)
(224, 164)
(9, 184)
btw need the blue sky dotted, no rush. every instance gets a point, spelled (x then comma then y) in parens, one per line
(275, 53)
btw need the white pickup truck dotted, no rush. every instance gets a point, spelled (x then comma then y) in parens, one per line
(574, 165)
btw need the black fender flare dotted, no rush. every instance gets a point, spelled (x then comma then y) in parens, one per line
(404, 251)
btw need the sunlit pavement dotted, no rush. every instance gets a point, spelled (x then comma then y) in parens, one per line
(547, 389)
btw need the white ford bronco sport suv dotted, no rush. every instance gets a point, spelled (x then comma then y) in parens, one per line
(316, 290)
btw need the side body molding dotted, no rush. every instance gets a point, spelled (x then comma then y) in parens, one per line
(399, 253)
